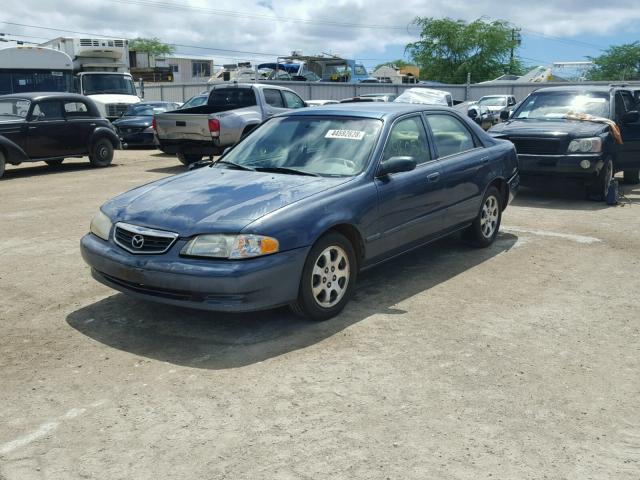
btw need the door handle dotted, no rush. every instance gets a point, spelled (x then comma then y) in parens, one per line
(33, 128)
(434, 177)
(484, 160)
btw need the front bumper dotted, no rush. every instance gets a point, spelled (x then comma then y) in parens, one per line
(219, 285)
(560, 165)
(191, 147)
(138, 138)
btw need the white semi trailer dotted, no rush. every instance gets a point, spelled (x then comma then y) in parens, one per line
(101, 68)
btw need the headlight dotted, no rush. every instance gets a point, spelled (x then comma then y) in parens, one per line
(101, 225)
(230, 246)
(585, 145)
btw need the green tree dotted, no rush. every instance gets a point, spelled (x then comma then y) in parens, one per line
(450, 49)
(151, 46)
(618, 62)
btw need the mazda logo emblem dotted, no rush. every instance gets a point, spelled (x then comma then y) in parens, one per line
(137, 241)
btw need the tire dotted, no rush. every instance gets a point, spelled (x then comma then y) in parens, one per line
(333, 256)
(2, 164)
(101, 153)
(632, 177)
(599, 188)
(484, 229)
(54, 163)
(187, 159)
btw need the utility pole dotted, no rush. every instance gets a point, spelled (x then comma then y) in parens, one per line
(516, 40)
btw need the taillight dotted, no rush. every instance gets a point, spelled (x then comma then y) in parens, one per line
(214, 127)
(154, 125)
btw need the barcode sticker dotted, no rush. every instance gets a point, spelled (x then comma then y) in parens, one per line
(348, 134)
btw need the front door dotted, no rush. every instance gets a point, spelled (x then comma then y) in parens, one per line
(274, 103)
(627, 154)
(410, 203)
(80, 126)
(47, 129)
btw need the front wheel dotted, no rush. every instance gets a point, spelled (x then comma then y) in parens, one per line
(101, 153)
(484, 229)
(632, 177)
(188, 158)
(600, 187)
(328, 278)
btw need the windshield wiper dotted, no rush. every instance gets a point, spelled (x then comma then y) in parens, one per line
(237, 165)
(291, 171)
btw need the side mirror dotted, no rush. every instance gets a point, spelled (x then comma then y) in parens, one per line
(396, 165)
(472, 113)
(505, 114)
(631, 117)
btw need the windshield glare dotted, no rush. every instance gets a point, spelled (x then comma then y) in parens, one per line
(494, 102)
(14, 107)
(316, 145)
(101, 84)
(559, 104)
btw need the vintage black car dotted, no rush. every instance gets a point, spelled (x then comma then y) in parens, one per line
(135, 126)
(50, 127)
(556, 134)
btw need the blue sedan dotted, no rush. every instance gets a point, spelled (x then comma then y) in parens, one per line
(300, 206)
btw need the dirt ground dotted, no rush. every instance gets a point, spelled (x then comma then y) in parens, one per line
(521, 361)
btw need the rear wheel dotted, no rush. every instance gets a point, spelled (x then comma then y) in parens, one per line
(54, 163)
(188, 158)
(328, 278)
(484, 229)
(2, 164)
(101, 153)
(632, 177)
(598, 189)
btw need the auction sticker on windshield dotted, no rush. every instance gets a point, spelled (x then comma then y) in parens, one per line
(348, 134)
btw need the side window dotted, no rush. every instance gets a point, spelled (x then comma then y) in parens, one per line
(629, 102)
(620, 107)
(408, 138)
(273, 98)
(292, 100)
(450, 135)
(47, 111)
(76, 110)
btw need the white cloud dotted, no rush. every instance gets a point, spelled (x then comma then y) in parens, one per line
(261, 31)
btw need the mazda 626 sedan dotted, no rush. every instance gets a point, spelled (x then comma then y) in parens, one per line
(294, 211)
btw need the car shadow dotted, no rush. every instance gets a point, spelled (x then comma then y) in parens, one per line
(556, 193)
(170, 170)
(212, 340)
(43, 169)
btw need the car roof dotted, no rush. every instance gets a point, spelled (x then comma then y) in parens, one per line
(37, 96)
(380, 110)
(579, 88)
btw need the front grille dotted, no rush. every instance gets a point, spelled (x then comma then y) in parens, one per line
(116, 109)
(538, 146)
(140, 240)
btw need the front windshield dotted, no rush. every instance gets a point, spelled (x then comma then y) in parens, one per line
(107, 83)
(14, 107)
(145, 110)
(493, 102)
(550, 105)
(326, 146)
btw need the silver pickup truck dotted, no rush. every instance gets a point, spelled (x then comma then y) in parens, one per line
(232, 111)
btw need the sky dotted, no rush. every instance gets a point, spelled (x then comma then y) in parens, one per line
(371, 31)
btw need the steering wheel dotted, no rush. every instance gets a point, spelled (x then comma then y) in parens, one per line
(345, 162)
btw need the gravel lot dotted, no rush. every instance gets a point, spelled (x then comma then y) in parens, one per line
(520, 361)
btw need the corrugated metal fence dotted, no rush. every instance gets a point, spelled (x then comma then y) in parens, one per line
(335, 91)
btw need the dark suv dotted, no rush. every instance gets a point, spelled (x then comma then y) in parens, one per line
(550, 141)
(50, 127)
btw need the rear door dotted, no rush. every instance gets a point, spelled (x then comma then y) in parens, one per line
(465, 163)
(80, 126)
(627, 154)
(47, 131)
(410, 203)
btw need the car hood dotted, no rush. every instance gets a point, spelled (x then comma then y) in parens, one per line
(546, 128)
(133, 121)
(213, 200)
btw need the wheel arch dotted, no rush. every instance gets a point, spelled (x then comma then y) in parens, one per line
(13, 154)
(103, 132)
(503, 187)
(351, 233)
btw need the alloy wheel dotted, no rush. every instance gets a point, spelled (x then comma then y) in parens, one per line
(330, 276)
(489, 217)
